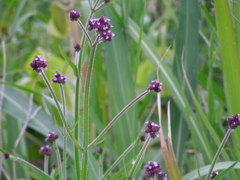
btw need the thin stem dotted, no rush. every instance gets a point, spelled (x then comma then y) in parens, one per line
(116, 117)
(139, 157)
(61, 169)
(85, 32)
(60, 112)
(2, 94)
(95, 5)
(226, 137)
(86, 111)
(46, 164)
(77, 104)
(119, 159)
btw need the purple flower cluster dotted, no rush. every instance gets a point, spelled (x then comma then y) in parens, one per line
(46, 150)
(38, 63)
(152, 129)
(213, 175)
(51, 137)
(106, 1)
(74, 15)
(61, 79)
(102, 27)
(154, 169)
(155, 86)
(6, 155)
(77, 47)
(233, 122)
(142, 138)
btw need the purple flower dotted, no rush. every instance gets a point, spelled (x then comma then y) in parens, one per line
(155, 86)
(61, 79)
(106, 1)
(152, 129)
(74, 15)
(154, 168)
(54, 165)
(213, 175)
(233, 121)
(100, 150)
(77, 47)
(38, 63)
(6, 155)
(51, 137)
(162, 176)
(46, 150)
(142, 138)
(102, 27)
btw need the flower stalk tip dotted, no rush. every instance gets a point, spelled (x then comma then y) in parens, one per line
(58, 78)
(51, 137)
(74, 15)
(155, 86)
(38, 63)
(46, 150)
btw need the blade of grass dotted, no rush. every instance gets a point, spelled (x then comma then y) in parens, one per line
(231, 62)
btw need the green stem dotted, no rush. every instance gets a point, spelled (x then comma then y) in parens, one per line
(86, 122)
(85, 32)
(46, 164)
(139, 157)
(119, 159)
(59, 161)
(63, 169)
(218, 152)
(116, 117)
(60, 112)
(77, 104)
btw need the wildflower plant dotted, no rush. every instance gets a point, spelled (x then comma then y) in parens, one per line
(78, 148)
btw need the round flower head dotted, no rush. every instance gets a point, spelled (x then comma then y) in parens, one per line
(233, 122)
(51, 137)
(213, 175)
(74, 15)
(77, 47)
(6, 155)
(46, 150)
(155, 86)
(152, 129)
(58, 78)
(102, 27)
(38, 63)
(162, 176)
(153, 168)
(100, 150)
(142, 138)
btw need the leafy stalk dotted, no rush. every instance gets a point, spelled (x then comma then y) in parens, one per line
(86, 112)
(226, 137)
(116, 117)
(60, 112)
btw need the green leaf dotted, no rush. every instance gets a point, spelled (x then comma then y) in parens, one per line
(59, 24)
(73, 66)
(35, 172)
(204, 170)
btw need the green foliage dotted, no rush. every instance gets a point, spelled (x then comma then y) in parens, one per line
(199, 73)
